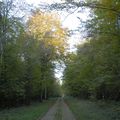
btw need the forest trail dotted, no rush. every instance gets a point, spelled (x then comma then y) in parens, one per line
(59, 111)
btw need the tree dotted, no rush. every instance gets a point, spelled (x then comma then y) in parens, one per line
(47, 27)
(98, 59)
(26, 67)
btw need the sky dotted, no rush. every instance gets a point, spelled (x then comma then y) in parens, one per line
(69, 21)
(36, 2)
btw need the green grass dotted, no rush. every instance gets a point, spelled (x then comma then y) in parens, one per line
(89, 110)
(32, 112)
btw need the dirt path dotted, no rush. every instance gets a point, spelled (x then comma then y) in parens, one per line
(59, 111)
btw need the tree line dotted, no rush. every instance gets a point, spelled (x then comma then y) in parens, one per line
(94, 70)
(28, 51)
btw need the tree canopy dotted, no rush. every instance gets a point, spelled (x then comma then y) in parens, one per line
(94, 71)
(29, 50)
(27, 54)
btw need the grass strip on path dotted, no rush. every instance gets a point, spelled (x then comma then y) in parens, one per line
(90, 110)
(58, 114)
(32, 112)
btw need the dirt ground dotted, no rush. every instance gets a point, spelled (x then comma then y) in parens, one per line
(59, 111)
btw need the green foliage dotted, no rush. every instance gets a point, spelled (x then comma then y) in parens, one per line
(33, 112)
(95, 70)
(26, 61)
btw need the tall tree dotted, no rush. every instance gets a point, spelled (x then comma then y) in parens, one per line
(98, 59)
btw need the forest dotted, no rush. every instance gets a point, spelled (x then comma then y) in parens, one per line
(94, 70)
(33, 42)
(28, 51)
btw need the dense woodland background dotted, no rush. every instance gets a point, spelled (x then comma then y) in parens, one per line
(94, 71)
(29, 50)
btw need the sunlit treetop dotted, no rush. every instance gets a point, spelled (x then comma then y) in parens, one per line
(46, 26)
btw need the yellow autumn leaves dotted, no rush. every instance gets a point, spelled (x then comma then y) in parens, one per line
(46, 27)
